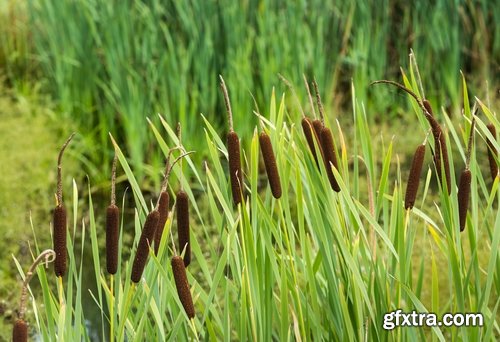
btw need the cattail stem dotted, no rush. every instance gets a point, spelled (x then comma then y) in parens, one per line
(182, 285)
(414, 176)
(147, 237)
(273, 176)
(113, 180)
(227, 102)
(59, 169)
(318, 100)
(309, 95)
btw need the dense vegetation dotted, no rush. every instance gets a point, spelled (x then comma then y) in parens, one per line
(315, 263)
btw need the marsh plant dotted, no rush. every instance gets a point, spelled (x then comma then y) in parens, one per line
(314, 251)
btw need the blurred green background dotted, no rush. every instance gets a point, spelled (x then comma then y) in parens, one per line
(98, 66)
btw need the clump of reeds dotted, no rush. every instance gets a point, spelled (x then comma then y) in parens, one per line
(20, 330)
(59, 219)
(441, 160)
(492, 152)
(182, 285)
(465, 183)
(414, 176)
(146, 239)
(327, 143)
(233, 151)
(112, 225)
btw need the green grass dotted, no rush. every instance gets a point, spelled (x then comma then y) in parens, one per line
(312, 265)
(109, 65)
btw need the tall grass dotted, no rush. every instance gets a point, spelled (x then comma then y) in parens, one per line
(109, 64)
(313, 265)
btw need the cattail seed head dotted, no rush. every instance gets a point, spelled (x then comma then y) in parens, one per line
(329, 155)
(182, 285)
(318, 126)
(59, 237)
(236, 177)
(428, 107)
(147, 237)
(20, 332)
(492, 152)
(163, 208)
(183, 226)
(463, 197)
(112, 236)
(270, 162)
(308, 129)
(414, 177)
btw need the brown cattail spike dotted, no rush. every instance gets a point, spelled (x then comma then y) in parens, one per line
(236, 177)
(59, 222)
(317, 125)
(270, 162)
(163, 208)
(414, 177)
(20, 332)
(183, 226)
(112, 236)
(147, 237)
(441, 154)
(182, 285)
(330, 156)
(492, 152)
(308, 129)
(463, 197)
(59, 237)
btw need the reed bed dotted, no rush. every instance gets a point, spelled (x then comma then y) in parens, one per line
(316, 264)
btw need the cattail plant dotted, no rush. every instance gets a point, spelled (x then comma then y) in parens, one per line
(182, 205)
(464, 184)
(20, 330)
(182, 285)
(492, 152)
(414, 176)
(59, 219)
(327, 144)
(112, 225)
(440, 150)
(233, 151)
(147, 237)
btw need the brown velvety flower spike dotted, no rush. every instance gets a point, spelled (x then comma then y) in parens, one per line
(59, 219)
(414, 177)
(233, 151)
(147, 237)
(463, 197)
(492, 152)
(20, 332)
(330, 157)
(270, 162)
(182, 285)
(310, 135)
(183, 226)
(112, 226)
(163, 209)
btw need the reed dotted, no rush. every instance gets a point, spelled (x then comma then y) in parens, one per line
(59, 219)
(182, 285)
(233, 150)
(414, 177)
(492, 152)
(270, 163)
(112, 225)
(147, 237)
